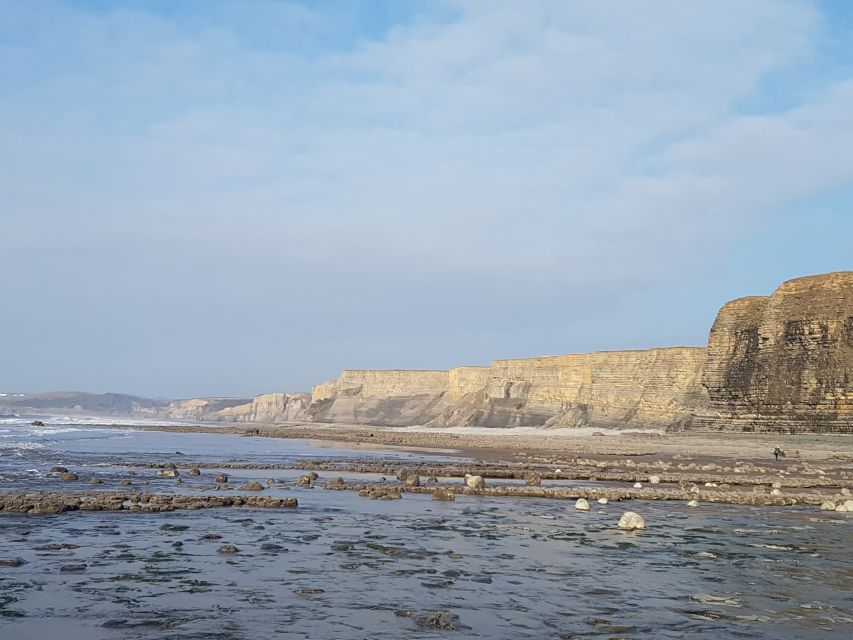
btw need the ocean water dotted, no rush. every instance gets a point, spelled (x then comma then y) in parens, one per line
(341, 566)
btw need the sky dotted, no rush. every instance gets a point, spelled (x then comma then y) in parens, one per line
(228, 198)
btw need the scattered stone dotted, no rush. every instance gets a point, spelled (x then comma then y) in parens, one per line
(827, 505)
(775, 492)
(443, 495)
(845, 492)
(314, 475)
(37, 423)
(228, 549)
(304, 481)
(693, 503)
(211, 536)
(638, 485)
(777, 485)
(125, 483)
(222, 478)
(602, 501)
(95, 480)
(412, 480)
(194, 472)
(252, 486)
(631, 521)
(168, 473)
(654, 479)
(58, 470)
(169, 465)
(68, 476)
(582, 504)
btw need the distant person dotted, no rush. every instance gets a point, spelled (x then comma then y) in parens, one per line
(778, 452)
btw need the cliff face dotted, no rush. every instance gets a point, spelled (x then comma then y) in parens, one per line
(269, 407)
(784, 362)
(777, 363)
(657, 387)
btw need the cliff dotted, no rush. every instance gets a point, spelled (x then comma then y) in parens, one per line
(784, 362)
(778, 363)
(658, 387)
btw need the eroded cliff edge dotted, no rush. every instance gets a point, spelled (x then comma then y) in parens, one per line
(777, 363)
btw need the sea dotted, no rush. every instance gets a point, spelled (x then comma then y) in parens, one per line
(343, 566)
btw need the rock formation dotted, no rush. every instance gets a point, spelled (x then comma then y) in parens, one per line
(657, 387)
(784, 362)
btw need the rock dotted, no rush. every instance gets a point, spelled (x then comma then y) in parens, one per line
(228, 549)
(638, 485)
(68, 476)
(582, 504)
(37, 423)
(125, 482)
(194, 472)
(631, 521)
(777, 485)
(693, 503)
(73, 568)
(827, 505)
(412, 480)
(532, 479)
(437, 620)
(168, 473)
(179, 481)
(710, 484)
(11, 562)
(654, 479)
(475, 482)
(58, 470)
(252, 486)
(169, 465)
(443, 495)
(314, 475)
(775, 492)
(849, 505)
(845, 492)
(602, 501)
(841, 508)
(221, 478)
(94, 480)
(431, 479)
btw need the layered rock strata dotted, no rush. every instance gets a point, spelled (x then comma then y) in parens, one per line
(784, 362)
(657, 387)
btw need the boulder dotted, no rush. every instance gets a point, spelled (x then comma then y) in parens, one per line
(222, 478)
(412, 480)
(775, 492)
(68, 476)
(194, 472)
(252, 486)
(532, 478)
(443, 495)
(314, 475)
(94, 480)
(631, 521)
(125, 483)
(849, 505)
(827, 505)
(475, 482)
(638, 485)
(582, 504)
(304, 481)
(693, 503)
(228, 549)
(654, 479)
(58, 470)
(841, 508)
(602, 501)
(168, 473)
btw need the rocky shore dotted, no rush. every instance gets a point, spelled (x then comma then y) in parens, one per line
(46, 503)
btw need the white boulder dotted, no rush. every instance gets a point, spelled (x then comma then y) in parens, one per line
(582, 504)
(631, 521)
(475, 482)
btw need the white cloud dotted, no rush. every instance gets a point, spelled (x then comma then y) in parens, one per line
(549, 152)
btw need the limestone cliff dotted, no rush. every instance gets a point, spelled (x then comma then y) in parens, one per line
(268, 407)
(784, 362)
(658, 387)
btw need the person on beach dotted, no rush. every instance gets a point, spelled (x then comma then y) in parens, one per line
(778, 452)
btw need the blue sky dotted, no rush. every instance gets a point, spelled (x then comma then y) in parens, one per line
(228, 198)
